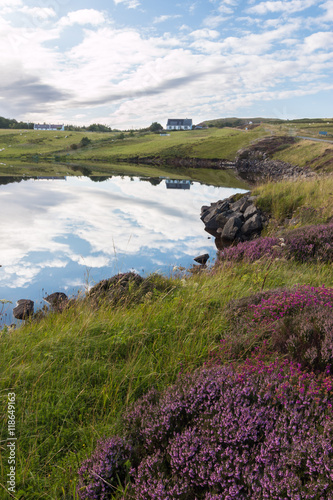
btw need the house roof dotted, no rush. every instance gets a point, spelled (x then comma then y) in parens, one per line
(180, 123)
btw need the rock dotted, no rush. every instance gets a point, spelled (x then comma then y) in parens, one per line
(231, 228)
(238, 204)
(250, 211)
(202, 259)
(24, 309)
(246, 203)
(57, 300)
(252, 225)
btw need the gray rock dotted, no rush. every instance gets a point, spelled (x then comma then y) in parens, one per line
(252, 225)
(246, 203)
(222, 219)
(250, 211)
(24, 309)
(56, 299)
(231, 228)
(202, 259)
(235, 206)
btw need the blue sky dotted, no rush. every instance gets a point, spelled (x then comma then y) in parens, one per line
(127, 63)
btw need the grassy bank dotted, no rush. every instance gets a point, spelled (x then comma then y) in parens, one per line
(54, 152)
(75, 373)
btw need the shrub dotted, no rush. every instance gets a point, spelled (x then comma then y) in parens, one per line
(255, 432)
(310, 243)
(101, 474)
(307, 244)
(297, 322)
(250, 251)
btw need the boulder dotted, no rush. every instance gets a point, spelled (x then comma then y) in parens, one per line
(57, 300)
(202, 259)
(252, 225)
(250, 211)
(24, 309)
(231, 228)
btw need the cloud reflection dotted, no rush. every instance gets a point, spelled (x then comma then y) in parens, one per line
(58, 228)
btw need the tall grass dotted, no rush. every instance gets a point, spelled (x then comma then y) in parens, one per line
(74, 373)
(310, 199)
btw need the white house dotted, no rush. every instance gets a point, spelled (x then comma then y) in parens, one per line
(47, 126)
(184, 124)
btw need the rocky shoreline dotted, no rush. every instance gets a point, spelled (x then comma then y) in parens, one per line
(252, 164)
(233, 220)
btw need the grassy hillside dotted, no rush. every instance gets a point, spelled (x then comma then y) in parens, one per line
(38, 148)
(213, 143)
(75, 373)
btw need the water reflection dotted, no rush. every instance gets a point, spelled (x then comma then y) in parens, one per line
(60, 234)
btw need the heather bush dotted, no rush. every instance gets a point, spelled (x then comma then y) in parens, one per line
(259, 431)
(306, 244)
(312, 243)
(297, 322)
(102, 473)
(250, 251)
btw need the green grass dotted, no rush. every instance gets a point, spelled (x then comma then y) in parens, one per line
(292, 199)
(210, 143)
(73, 374)
(105, 148)
(308, 153)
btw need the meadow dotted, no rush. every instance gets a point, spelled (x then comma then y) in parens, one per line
(107, 371)
(58, 151)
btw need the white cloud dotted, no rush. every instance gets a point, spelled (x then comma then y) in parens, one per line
(83, 17)
(213, 21)
(316, 41)
(205, 33)
(131, 4)
(162, 19)
(39, 12)
(9, 6)
(287, 6)
(328, 7)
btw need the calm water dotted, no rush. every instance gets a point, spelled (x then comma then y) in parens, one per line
(65, 234)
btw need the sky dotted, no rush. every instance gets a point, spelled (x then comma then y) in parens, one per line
(128, 63)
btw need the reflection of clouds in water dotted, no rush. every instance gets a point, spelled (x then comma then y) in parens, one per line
(116, 217)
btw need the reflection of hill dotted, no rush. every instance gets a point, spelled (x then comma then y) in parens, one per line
(154, 181)
(99, 178)
(10, 180)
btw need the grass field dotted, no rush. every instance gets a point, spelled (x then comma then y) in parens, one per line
(209, 143)
(74, 374)
(48, 148)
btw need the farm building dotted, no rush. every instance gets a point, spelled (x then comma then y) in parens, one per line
(184, 124)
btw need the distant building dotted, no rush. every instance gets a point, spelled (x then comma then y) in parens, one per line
(184, 124)
(177, 184)
(47, 126)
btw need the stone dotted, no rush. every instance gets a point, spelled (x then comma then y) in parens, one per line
(246, 203)
(231, 228)
(212, 223)
(24, 309)
(235, 206)
(221, 220)
(205, 211)
(252, 225)
(202, 259)
(250, 211)
(56, 299)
